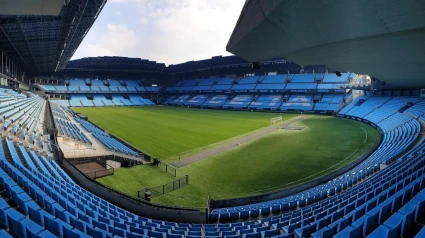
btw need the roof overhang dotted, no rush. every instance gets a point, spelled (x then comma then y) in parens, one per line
(31, 7)
(382, 39)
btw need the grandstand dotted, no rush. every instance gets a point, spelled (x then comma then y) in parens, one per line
(51, 154)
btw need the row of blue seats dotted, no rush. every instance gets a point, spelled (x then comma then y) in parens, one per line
(260, 86)
(122, 89)
(269, 79)
(105, 139)
(396, 140)
(56, 206)
(273, 102)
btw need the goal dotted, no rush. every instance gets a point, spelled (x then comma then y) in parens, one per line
(276, 120)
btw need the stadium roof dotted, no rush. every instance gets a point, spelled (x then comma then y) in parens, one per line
(45, 43)
(383, 39)
(31, 7)
(116, 63)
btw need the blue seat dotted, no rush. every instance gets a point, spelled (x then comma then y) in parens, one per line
(173, 236)
(305, 231)
(253, 235)
(38, 215)
(134, 235)
(350, 232)
(4, 234)
(156, 234)
(326, 232)
(419, 199)
(73, 233)
(385, 210)
(42, 234)
(254, 213)
(224, 216)
(243, 214)
(234, 215)
(228, 233)
(421, 233)
(394, 224)
(118, 232)
(18, 225)
(55, 226)
(96, 232)
(291, 228)
(408, 211)
(212, 233)
(369, 221)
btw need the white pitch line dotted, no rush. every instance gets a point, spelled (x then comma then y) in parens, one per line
(366, 135)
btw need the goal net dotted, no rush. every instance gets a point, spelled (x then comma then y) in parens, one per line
(276, 121)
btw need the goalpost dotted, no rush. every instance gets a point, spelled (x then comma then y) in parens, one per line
(276, 120)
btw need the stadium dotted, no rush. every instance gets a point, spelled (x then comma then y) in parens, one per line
(313, 127)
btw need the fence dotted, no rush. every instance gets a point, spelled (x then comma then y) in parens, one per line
(101, 173)
(166, 188)
(168, 168)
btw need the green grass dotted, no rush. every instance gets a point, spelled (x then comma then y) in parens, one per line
(165, 132)
(281, 159)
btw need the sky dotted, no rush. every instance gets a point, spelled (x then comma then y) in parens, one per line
(166, 31)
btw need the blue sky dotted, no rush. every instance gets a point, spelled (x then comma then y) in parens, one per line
(166, 31)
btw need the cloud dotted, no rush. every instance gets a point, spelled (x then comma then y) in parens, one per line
(117, 40)
(169, 31)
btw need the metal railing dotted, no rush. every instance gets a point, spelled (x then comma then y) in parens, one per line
(165, 188)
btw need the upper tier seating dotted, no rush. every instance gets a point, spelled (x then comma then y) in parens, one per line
(114, 83)
(270, 86)
(332, 98)
(332, 78)
(206, 82)
(77, 82)
(242, 86)
(97, 83)
(221, 87)
(48, 87)
(201, 88)
(301, 86)
(152, 89)
(274, 79)
(61, 88)
(225, 81)
(131, 83)
(303, 78)
(249, 80)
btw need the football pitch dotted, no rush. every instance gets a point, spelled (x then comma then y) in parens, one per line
(279, 159)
